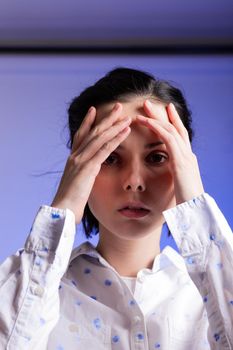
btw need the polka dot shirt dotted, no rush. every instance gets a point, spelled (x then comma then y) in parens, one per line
(53, 298)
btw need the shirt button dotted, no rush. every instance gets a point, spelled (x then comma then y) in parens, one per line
(136, 320)
(39, 291)
(141, 279)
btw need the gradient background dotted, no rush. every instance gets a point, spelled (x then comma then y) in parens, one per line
(35, 92)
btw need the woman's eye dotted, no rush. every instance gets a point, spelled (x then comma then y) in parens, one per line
(156, 158)
(111, 160)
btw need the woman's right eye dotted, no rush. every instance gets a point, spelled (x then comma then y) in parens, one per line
(111, 160)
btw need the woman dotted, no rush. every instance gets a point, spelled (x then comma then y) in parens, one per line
(131, 169)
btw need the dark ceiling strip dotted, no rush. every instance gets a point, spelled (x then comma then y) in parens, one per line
(119, 50)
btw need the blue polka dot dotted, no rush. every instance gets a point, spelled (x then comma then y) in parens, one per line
(28, 338)
(97, 323)
(45, 249)
(140, 336)
(38, 261)
(231, 302)
(205, 299)
(93, 297)
(212, 237)
(184, 227)
(157, 345)
(42, 321)
(219, 266)
(60, 347)
(115, 339)
(55, 216)
(216, 336)
(87, 271)
(74, 283)
(132, 302)
(78, 303)
(60, 287)
(107, 282)
(190, 260)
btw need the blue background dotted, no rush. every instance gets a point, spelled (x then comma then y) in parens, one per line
(35, 92)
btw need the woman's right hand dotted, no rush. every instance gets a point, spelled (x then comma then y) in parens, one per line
(91, 147)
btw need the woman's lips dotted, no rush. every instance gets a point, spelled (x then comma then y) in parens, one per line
(134, 212)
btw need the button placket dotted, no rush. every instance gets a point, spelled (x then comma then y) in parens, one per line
(138, 330)
(139, 337)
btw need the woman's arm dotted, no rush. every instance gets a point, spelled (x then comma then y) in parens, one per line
(198, 226)
(29, 281)
(205, 241)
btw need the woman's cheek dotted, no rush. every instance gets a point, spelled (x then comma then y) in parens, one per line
(162, 175)
(96, 199)
(162, 187)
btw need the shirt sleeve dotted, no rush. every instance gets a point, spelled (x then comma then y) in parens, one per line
(30, 279)
(205, 241)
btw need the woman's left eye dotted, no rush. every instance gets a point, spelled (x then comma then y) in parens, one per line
(156, 158)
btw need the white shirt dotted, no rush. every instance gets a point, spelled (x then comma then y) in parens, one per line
(52, 299)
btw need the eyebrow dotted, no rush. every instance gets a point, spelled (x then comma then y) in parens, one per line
(148, 145)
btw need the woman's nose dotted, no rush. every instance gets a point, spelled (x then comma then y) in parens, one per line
(134, 180)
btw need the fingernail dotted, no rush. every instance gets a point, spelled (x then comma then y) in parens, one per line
(149, 104)
(172, 105)
(117, 105)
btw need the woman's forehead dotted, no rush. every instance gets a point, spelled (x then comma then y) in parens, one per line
(132, 108)
(140, 135)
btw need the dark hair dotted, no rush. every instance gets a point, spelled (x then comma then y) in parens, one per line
(121, 84)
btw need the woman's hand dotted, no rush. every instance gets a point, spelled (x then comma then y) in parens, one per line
(91, 147)
(183, 162)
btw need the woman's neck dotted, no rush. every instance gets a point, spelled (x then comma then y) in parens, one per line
(128, 257)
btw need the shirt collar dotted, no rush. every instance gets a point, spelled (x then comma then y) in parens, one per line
(166, 258)
(89, 249)
(170, 256)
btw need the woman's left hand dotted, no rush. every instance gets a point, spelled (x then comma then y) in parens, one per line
(183, 162)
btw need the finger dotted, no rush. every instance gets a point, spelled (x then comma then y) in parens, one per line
(108, 147)
(167, 133)
(84, 129)
(96, 143)
(109, 120)
(172, 116)
(152, 123)
(151, 113)
(183, 143)
(177, 122)
(103, 125)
